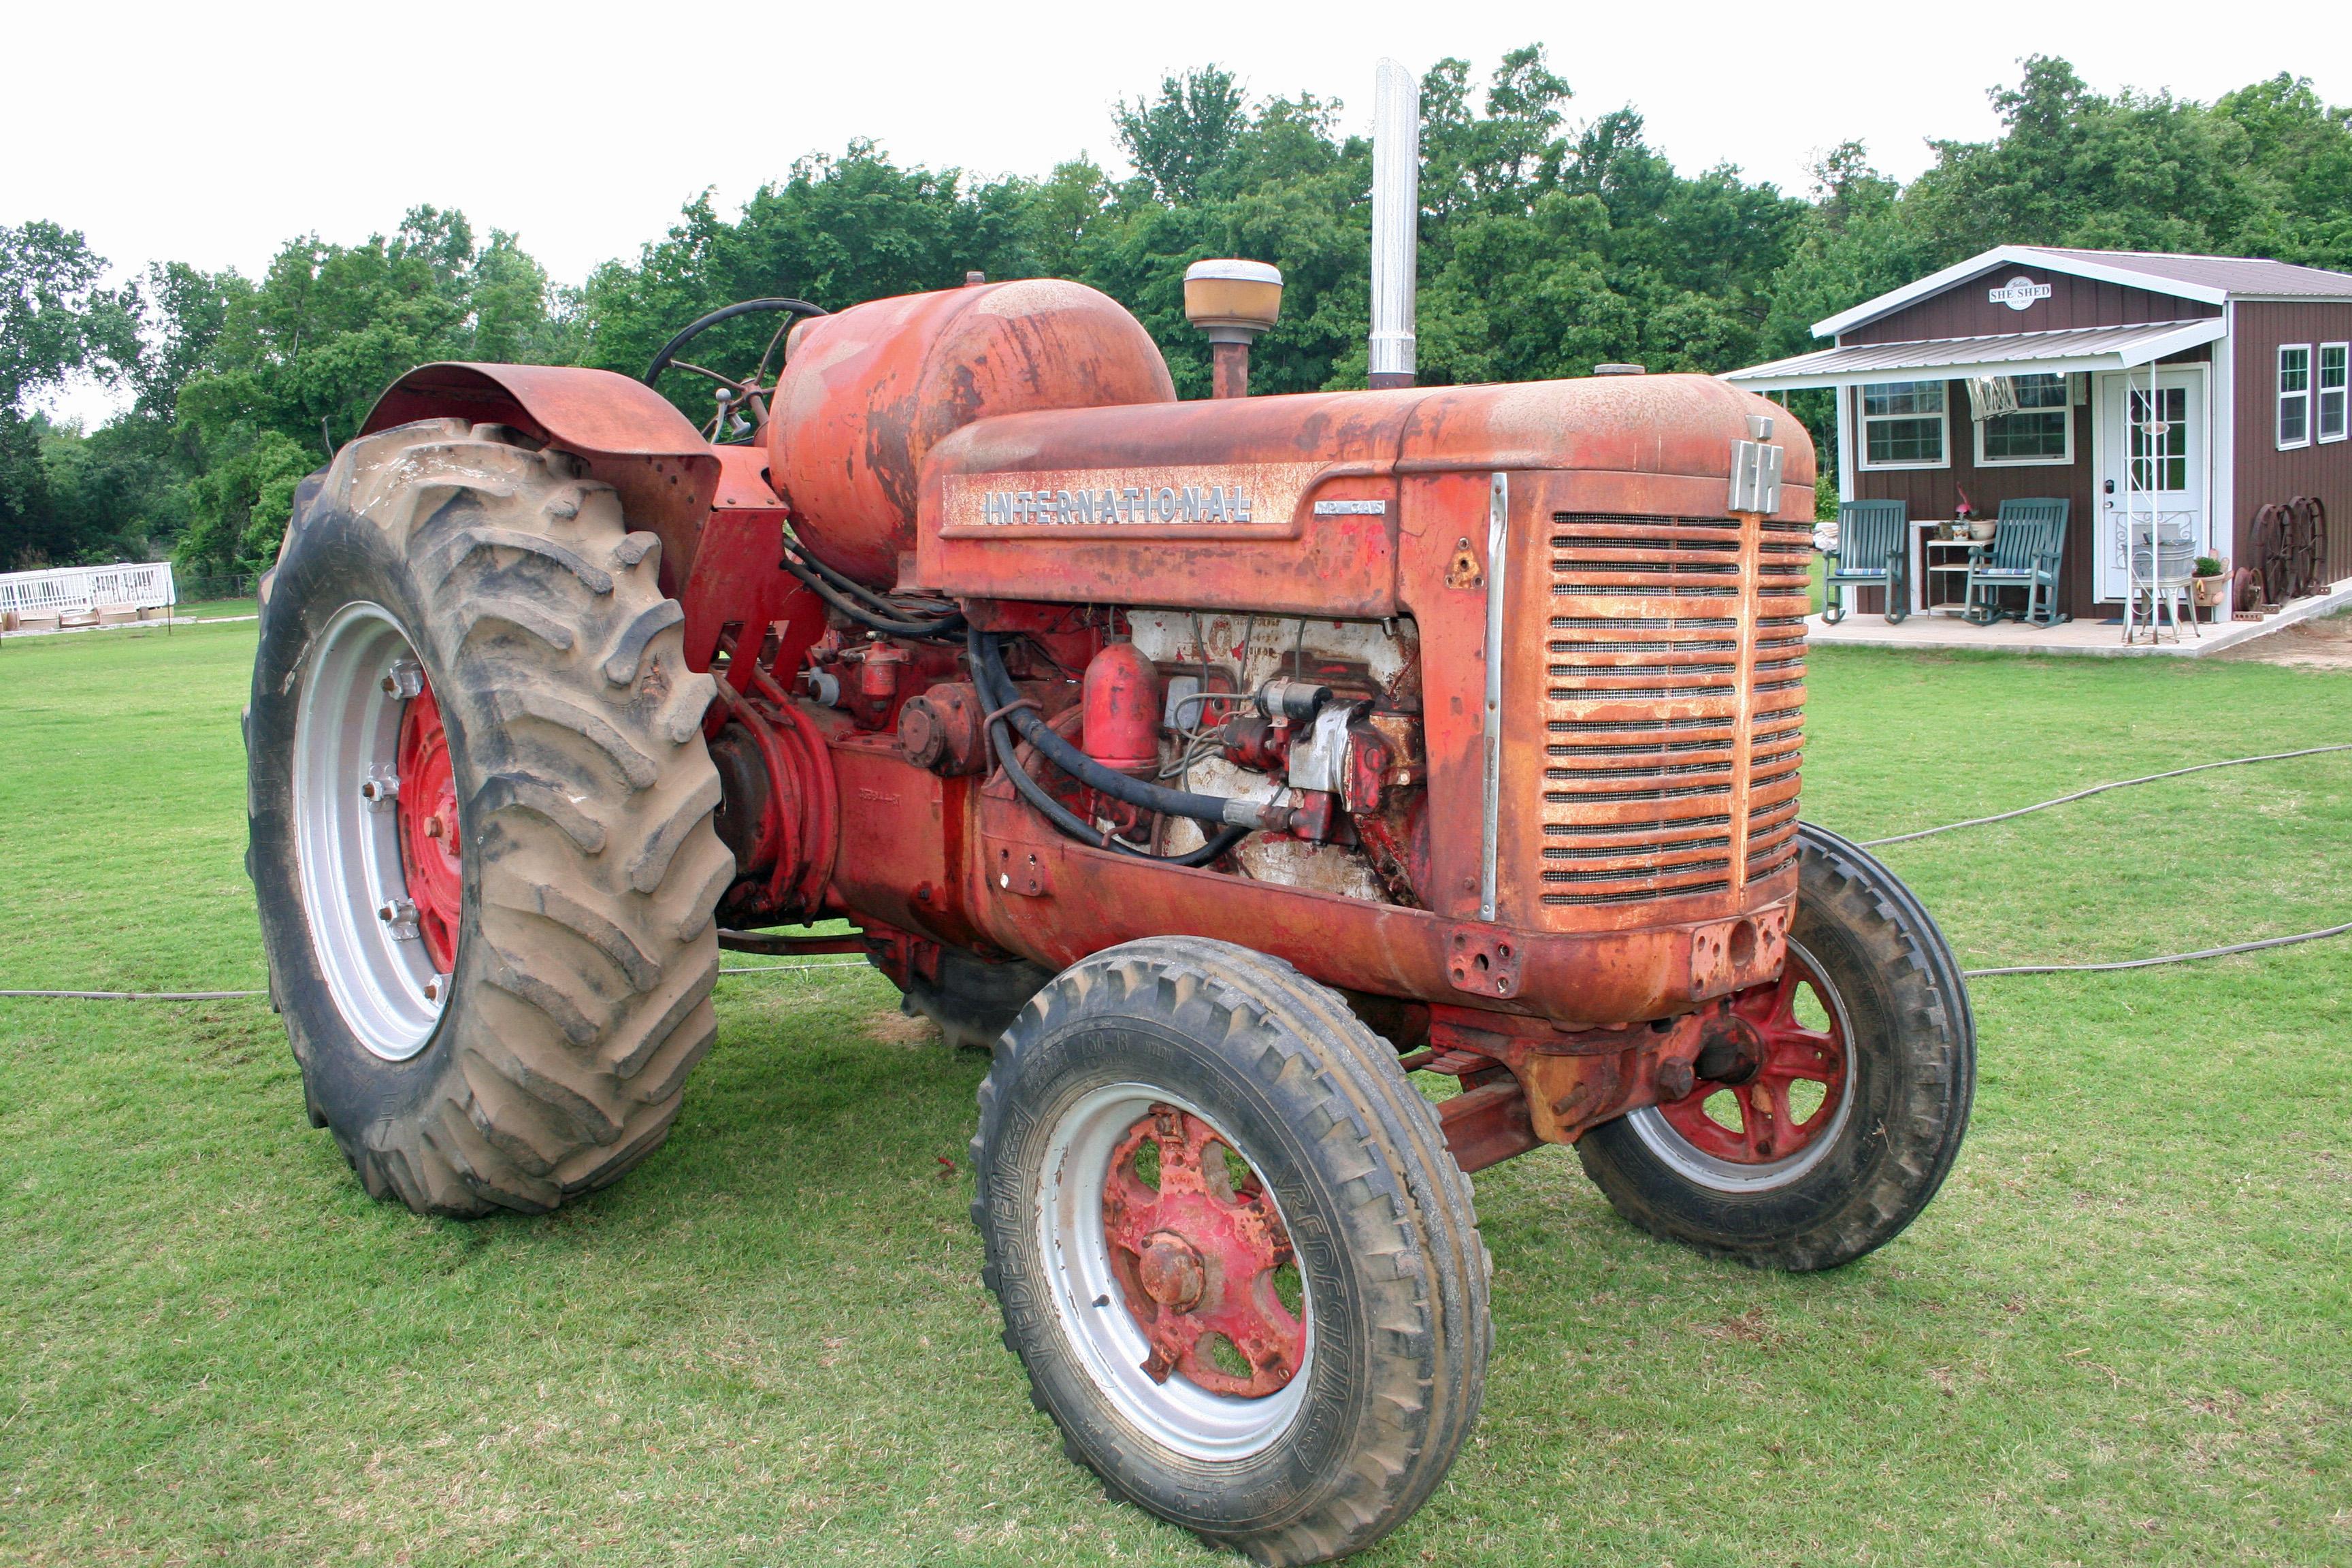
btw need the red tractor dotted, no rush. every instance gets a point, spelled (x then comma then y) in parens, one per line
(1220, 764)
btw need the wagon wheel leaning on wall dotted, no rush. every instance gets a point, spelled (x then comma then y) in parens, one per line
(2310, 544)
(2270, 543)
(480, 821)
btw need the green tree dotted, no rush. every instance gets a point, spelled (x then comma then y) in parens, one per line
(55, 322)
(288, 367)
(1185, 135)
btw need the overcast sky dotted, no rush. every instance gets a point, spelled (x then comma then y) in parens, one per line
(211, 133)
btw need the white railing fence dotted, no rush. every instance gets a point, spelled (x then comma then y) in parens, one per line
(70, 590)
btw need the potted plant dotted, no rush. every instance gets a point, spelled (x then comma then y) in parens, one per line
(2210, 583)
(1967, 522)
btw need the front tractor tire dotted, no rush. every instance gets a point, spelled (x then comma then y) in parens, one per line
(1236, 1260)
(481, 827)
(1841, 1103)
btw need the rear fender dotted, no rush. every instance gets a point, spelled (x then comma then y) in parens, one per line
(629, 436)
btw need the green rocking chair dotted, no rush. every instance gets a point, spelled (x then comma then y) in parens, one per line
(2029, 542)
(1874, 551)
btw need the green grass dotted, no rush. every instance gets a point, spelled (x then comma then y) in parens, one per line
(217, 609)
(2120, 1336)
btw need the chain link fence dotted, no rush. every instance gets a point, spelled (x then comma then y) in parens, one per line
(229, 585)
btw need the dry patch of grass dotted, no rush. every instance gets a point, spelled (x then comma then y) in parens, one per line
(889, 1026)
(2322, 644)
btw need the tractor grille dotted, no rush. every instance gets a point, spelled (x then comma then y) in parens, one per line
(1674, 706)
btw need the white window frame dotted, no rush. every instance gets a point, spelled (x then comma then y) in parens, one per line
(2280, 397)
(2065, 384)
(2342, 389)
(1863, 422)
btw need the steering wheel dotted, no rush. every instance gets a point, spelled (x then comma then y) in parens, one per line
(727, 427)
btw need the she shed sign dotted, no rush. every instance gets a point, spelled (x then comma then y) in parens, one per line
(2018, 293)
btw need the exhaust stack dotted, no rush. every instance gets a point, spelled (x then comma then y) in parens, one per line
(1396, 223)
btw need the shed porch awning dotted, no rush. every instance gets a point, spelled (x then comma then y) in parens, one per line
(2006, 353)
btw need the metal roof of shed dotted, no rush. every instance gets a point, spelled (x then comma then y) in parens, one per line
(2079, 348)
(2208, 280)
(2238, 274)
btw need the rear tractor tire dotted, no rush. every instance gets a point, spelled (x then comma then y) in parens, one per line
(480, 822)
(1842, 1109)
(1239, 1266)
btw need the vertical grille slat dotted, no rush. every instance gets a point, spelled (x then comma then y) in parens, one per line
(1661, 631)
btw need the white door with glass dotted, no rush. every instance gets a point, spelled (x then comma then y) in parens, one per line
(2151, 464)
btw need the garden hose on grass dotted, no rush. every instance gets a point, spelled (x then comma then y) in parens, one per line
(2102, 789)
(2202, 952)
(230, 996)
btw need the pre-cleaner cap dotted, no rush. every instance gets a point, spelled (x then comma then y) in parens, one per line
(1243, 296)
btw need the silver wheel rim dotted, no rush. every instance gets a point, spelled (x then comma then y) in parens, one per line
(1695, 1165)
(347, 737)
(1178, 1414)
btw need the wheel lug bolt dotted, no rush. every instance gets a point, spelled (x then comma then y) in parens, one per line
(1676, 1079)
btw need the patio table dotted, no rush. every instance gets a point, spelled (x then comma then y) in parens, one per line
(1932, 554)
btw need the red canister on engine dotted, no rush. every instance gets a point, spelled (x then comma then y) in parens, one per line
(1122, 709)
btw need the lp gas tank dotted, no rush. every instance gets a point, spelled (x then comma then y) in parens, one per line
(867, 393)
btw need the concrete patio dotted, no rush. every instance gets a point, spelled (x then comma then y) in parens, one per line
(2091, 638)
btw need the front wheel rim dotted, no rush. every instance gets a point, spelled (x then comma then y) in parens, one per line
(1091, 1290)
(1692, 1145)
(387, 980)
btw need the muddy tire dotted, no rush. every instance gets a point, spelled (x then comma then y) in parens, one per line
(1899, 1045)
(1346, 1427)
(452, 567)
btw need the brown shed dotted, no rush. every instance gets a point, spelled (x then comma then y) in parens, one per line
(2132, 384)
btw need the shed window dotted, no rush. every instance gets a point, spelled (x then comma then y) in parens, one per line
(2041, 431)
(2331, 390)
(1903, 425)
(2294, 396)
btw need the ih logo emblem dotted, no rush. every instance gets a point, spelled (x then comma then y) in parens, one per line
(2018, 293)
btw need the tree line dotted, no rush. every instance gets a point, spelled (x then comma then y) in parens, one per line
(1548, 245)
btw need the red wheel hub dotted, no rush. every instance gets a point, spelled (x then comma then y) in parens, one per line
(428, 828)
(1766, 1052)
(1197, 1258)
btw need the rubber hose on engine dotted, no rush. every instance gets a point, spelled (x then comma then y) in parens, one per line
(997, 691)
(887, 625)
(1249, 814)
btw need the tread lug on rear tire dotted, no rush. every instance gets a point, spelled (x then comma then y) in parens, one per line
(584, 953)
(1890, 982)
(1391, 1274)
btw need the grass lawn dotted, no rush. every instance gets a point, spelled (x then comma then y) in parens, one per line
(217, 609)
(2120, 1336)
